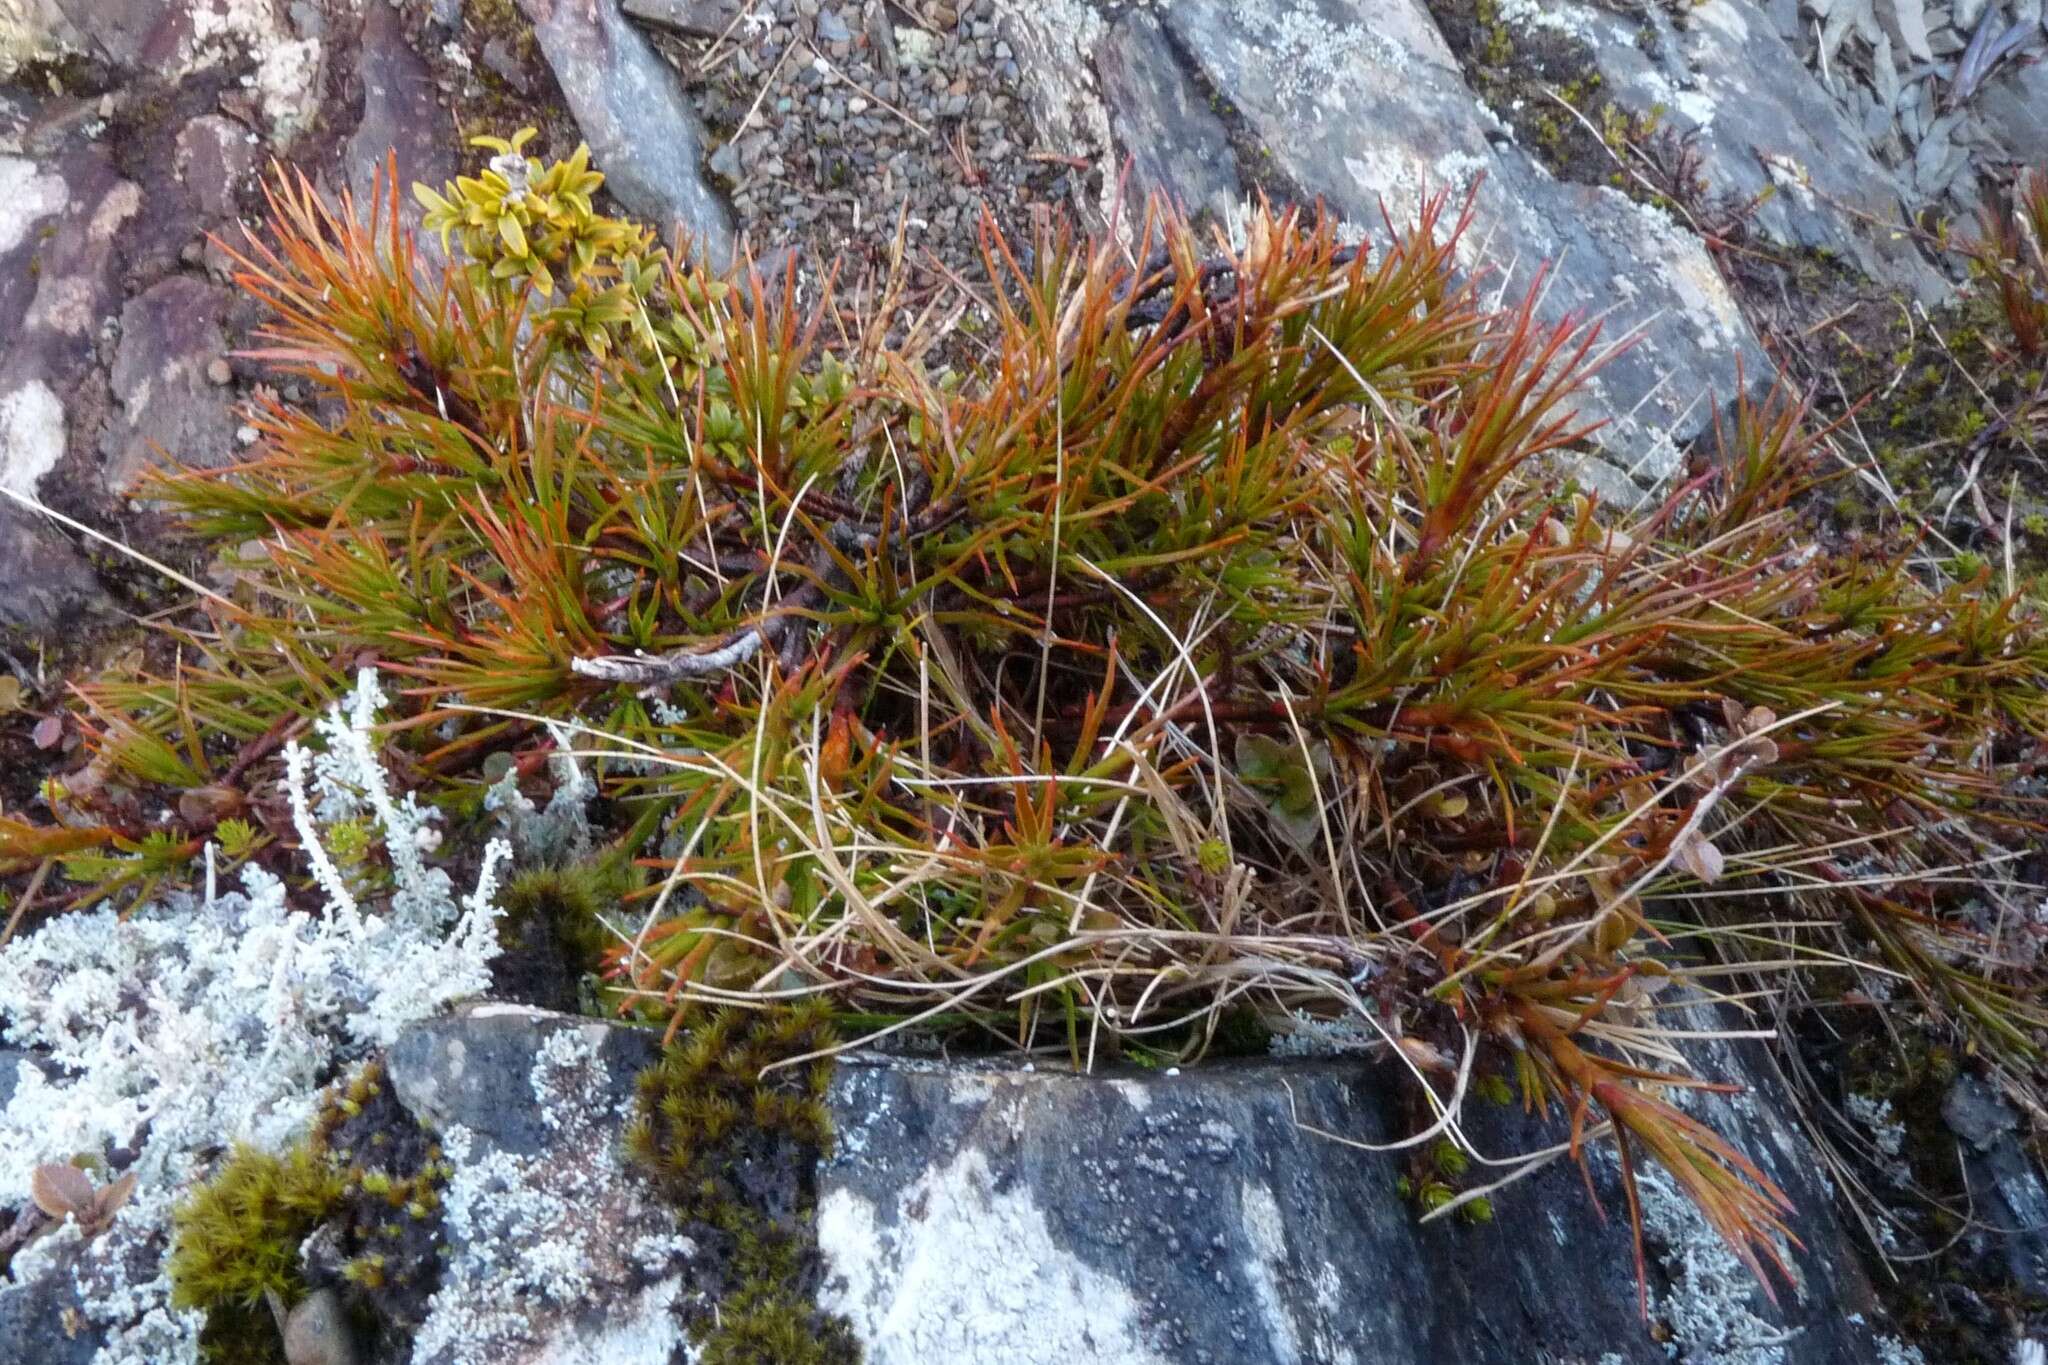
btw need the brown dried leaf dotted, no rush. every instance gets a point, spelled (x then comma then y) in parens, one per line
(1425, 1056)
(59, 1188)
(208, 806)
(108, 1201)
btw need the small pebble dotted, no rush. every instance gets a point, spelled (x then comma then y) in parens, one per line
(219, 371)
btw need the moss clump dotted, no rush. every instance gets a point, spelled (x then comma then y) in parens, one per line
(551, 936)
(367, 1180)
(235, 1240)
(734, 1150)
(1947, 406)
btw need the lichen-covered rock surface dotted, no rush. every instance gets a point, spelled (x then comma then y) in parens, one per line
(1011, 1215)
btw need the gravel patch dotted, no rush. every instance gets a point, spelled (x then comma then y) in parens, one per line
(830, 120)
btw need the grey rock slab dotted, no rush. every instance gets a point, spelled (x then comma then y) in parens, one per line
(132, 34)
(59, 284)
(76, 271)
(1762, 125)
(1177, 145)
(38, 1317)
(1009, 1216)
(470, 1070)
(499, 57)
(32, 198)
(558, 1253)
(1362, 105)
(2013, 109)
(172, 409)
(643, 132)
(215, 155)
(46, 585)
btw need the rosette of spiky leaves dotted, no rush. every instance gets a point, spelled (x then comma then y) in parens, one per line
(1232, 635)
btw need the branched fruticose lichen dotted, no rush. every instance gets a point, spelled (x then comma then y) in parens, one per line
(209, 1019)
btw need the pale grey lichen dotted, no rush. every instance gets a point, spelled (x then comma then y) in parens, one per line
(975, 1273)
(1305, 1036)
(1891, 1351)
(1887, 1134)
(1305, 53)
(540, 1239)
(558, 832)
(1711, 1299)
(208, 1018)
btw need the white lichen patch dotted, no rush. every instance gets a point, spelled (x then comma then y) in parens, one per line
(288, 70)
(540, 1239)
(1305, 53)
(975, 1275)
(1892, 1351)
(28, 194)
(209, 1018)
(1539, 14)
(1306, 1036)
(1887, 1134)
(31, 436)
(1710, 1305)
(558, 832)
(1688, 274)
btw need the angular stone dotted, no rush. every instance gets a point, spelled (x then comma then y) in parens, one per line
(643, 133)
(461, 1070)
(503, 62)
(214, 157)
(30, 197)
(401, 120)
(58, 283)
(46, 586)
(698, 18)
(2004, 1182)
(131, 34)
(76, 272)
(39, 1318)
(1366, 109)
(35, 29)
(2013, 108)
(170, 409)
(557, 1252)
(1176, 143)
